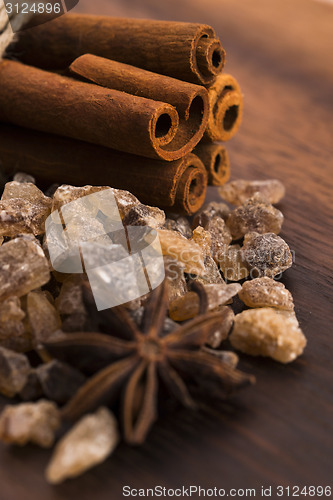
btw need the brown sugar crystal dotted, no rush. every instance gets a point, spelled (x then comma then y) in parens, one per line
(220, 236)
(30, 422)
(14, 370)
(43, 317)
(174, 271)
(66, 194)
(256, 214)
(267, 332)
(266, 254)
(265, 292)
(187, 307)
(23, 267)
(143, 215)
(178, 223)
(184, 250)
(238, 191)
(212, 274)
(88, 443)
(210, 210)
(59, 381)
(11, 316)
(26, 190)
(232, 264)
(23, 209)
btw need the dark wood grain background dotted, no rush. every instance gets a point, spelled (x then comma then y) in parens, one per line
(280, 431)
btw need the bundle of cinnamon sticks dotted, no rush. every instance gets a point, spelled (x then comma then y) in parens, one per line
(134, 104)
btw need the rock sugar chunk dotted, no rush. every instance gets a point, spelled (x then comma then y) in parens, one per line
(87, 444)
(178, 223)
(82, 226)
(32, 389)
(10, 311)
(212, 274)
(26, 190)
(70, 306)
(185, 251)
(20, 216)
(267, 332)
(220, 236)
(66, 194)
(237, 192)
(12, 329)
(30, 422)
(187, 307)
(227, 320)
(265, 292)
(210, 210)
(23, 209)
(232, 264)
(174, 272)
(144, 215)
(220, 294)
(256, 214)
(14, 371)
(59, 381)
(43, 316)
(266, 254)
(23, 267)
(70, 300)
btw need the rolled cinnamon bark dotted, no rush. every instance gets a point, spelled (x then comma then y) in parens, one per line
(190, 101)
(48, 102)
(179, 185)
(186, 51)
(226, 108)
(216, 160)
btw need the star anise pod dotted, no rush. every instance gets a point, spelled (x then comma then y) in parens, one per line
(131, 361)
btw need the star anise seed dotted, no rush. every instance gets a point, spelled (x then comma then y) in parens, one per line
(131, 361)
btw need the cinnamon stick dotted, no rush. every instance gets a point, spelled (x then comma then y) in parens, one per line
(48, 102)
(190, 101)
(216, 160)
(178, 185)
(226, 108)
(186, 51)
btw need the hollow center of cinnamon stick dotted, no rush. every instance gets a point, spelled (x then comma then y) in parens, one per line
(195, 190)
(163, 125)
(197, 108)
(217, 163)
(216, 58)
(230, 117)
(187, 128)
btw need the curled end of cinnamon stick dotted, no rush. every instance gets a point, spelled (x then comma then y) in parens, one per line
(226, 108)
(164, 126)
(192, 186)
(190, 130)
(208, 56)
(216, 160)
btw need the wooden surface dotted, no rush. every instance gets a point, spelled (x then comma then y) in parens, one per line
(280, 431)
